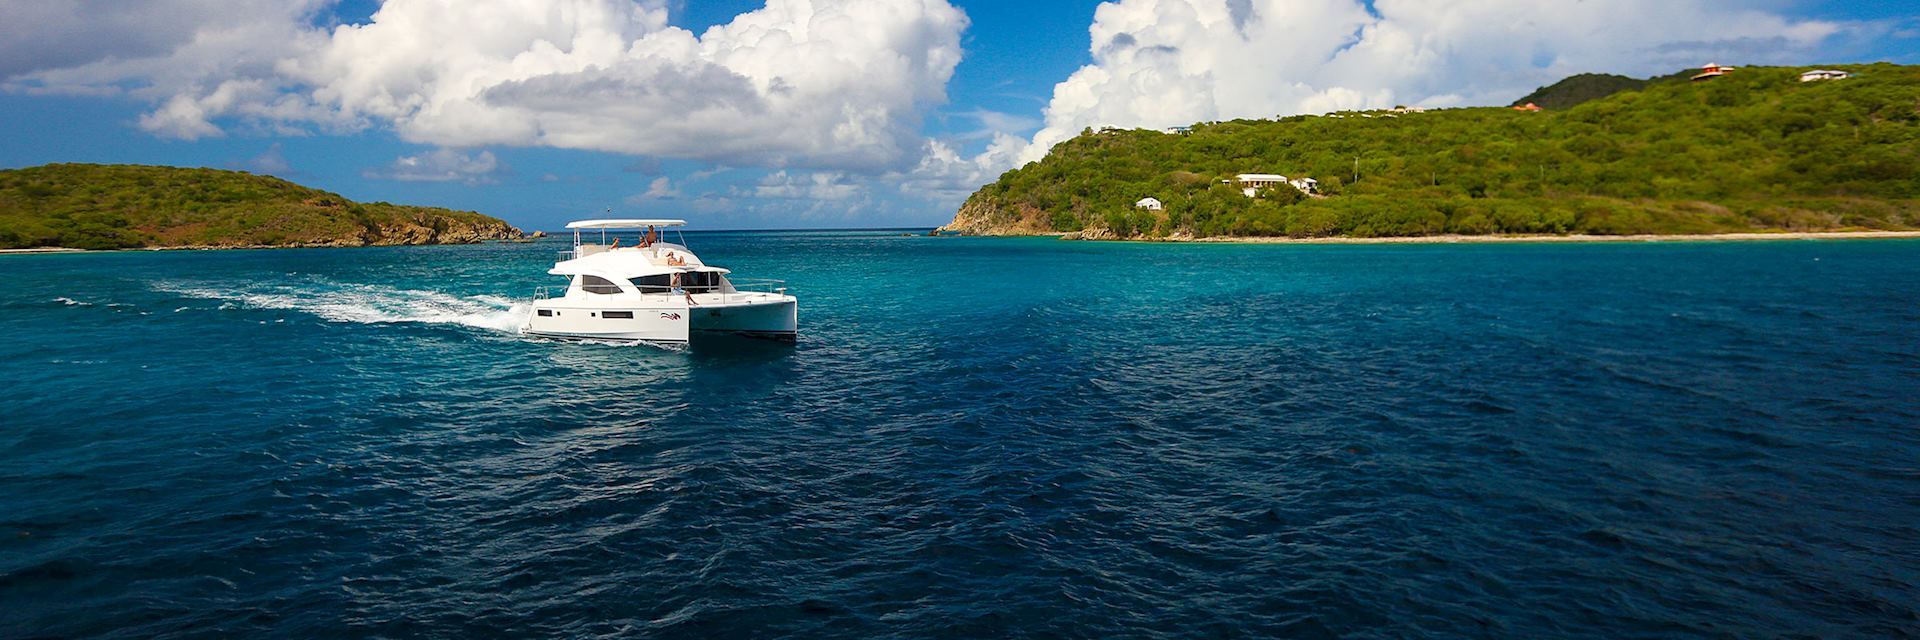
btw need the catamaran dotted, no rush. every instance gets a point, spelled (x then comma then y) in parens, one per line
(653, 291)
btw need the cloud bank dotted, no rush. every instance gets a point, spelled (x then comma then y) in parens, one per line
(1160, 63)
(840, 84)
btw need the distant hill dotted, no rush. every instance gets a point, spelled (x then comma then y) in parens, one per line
(91, 206)
(1756, 150)
(1575, 90)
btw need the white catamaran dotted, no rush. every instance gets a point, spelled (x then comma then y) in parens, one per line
(653, 291)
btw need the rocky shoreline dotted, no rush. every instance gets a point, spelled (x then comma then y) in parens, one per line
(404, 235)
(975, 219)
(1463, 239)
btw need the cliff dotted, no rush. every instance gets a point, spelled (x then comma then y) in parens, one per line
(89, 206)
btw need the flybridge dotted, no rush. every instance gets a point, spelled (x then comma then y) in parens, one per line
(614, 224)
(630, 223)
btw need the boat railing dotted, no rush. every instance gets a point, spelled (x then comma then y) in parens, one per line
(756, 285)
(649, 288)
(766, 285)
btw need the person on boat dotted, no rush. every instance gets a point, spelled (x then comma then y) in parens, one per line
(675, 261)
(650, 238)
(615, 245)
(674, 284)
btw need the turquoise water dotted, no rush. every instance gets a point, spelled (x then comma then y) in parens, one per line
(974, 438)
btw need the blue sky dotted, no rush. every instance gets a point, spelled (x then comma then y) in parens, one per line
(907, 161)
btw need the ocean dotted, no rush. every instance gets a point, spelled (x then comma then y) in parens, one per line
(973, 437)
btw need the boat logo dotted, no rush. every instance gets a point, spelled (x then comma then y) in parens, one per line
(669, 316)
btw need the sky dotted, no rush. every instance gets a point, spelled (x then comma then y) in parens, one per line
(782, 114)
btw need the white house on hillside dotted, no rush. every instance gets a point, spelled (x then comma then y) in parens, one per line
(1150, 204)
(1252, 183)
(1823, 74)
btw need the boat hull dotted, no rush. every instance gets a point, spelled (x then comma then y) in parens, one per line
(665, 319)
(773, 318)
(662, 322)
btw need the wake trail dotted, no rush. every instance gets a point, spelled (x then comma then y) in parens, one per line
(365, 303)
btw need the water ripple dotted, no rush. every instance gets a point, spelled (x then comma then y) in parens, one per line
(1001, 438)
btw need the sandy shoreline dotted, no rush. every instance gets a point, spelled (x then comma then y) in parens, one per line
(1453, 239)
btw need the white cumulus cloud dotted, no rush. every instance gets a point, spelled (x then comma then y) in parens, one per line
(660, 189)
(1159, 63)
(442, 165)
(819, 185)
(826, 84)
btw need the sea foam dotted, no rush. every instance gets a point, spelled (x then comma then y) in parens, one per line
(367, 303)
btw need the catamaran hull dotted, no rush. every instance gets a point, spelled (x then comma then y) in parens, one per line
(663, 324)
(672, 324)
(778, 320)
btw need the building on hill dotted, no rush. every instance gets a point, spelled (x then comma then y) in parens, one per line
(1150, 204)
(1407, 109)
(1251, 183)
(1712, 70)
(1177, 131)
(1527, 107)
(1824, 74)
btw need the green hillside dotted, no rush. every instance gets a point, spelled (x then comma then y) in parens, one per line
(1578, 89)
(88, 206)
(1757, 150)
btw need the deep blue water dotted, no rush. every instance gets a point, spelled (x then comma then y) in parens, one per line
(974, 438)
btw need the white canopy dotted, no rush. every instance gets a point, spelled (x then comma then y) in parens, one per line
(624, 224)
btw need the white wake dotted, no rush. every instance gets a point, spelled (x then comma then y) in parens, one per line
(365, 303)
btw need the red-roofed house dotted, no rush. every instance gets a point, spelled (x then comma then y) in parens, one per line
(1713, 70)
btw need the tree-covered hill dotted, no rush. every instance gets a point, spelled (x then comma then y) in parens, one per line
(90, 206)
(1756, 150)
(1574, 90)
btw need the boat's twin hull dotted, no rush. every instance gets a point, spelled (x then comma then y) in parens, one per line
(776, 319)
(662, 319)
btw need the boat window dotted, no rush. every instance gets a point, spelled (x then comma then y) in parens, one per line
(692, 281)
(653, 284)
(618, 315)
(597, 284)
(701, 281)
(547, 313)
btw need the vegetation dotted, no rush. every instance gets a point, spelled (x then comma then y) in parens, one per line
(86, 206)
(1756, 150)
(1583, 88)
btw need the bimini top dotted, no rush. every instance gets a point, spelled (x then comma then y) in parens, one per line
(632, 262)
(624, 224)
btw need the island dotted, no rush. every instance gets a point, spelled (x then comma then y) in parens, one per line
(1744, 151)
(93, 206)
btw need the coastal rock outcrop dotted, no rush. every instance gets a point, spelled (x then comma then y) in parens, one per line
(979, 217)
